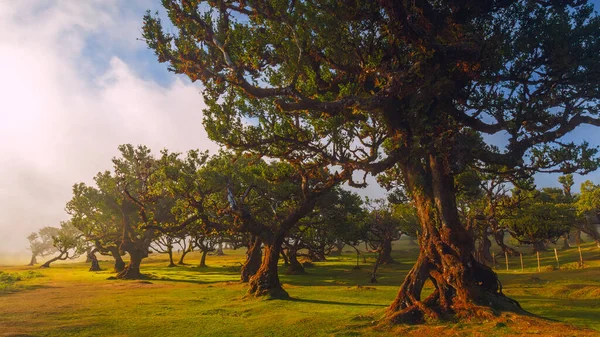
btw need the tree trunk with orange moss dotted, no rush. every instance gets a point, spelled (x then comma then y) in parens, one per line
(266, 280)
(463, 287)
(253, 259)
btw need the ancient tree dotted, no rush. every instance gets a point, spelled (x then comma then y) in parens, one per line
(98, 212)
(411, 85)
(69, 244)
(41, 243)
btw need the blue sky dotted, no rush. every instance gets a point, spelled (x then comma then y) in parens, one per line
(76, 83)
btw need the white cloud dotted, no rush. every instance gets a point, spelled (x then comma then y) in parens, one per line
(64, 112)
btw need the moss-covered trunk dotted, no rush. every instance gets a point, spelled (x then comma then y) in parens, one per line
(463, 287)
(266, 279)
(253, 259)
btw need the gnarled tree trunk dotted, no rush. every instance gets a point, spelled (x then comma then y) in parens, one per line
(266, 279)
(95, 265)
(61, 256)
(132, 269)
(484, 249)
(385, 254)
(253, 259)
(463, 287)
(119, 263)
(294, 267)
(499, 238)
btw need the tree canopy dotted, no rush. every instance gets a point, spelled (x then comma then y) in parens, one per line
(412, 86)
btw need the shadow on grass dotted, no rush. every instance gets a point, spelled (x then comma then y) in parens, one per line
(20, 288)
(304, 300)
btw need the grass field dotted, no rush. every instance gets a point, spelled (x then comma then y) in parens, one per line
(333, 299)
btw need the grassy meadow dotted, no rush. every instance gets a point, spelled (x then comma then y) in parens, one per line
(332, 299)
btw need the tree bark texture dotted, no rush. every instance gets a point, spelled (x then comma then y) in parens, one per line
(385, 254)
(253, 259)
(463, 287)
(132, 269)
(266, 279)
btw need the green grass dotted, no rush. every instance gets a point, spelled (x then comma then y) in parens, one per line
(11, 282)
(333, 299)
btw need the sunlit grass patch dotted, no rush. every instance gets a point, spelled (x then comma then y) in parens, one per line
(331, 299)
(10, 282)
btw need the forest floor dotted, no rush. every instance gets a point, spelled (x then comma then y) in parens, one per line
(332, 299)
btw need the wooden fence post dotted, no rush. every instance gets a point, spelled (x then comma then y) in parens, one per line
(580, 257)
(506, 257)
(522, 268)
(556, 255)
(538, 258)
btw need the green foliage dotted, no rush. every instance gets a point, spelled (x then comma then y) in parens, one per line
(41, 243)
(346, 82)
(69, 241)
(589, 198)
(540, 216)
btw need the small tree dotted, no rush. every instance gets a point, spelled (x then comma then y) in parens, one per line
(98, 213)
(540, 218)
(588, 208)
(69, 243)
(41, 243)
